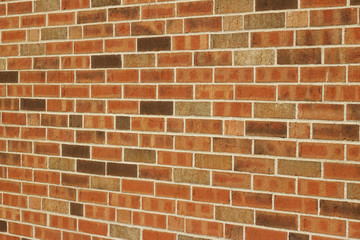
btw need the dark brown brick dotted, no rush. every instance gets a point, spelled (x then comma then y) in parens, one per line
(77, 209)
(264, 5)
(106, 61)
(154, 44)
(276, 220)
(298, 236)
(92, 167)
(139, 155)
(33, 104)
(75, 151)
(340, 209)
(299, 56)
(9, 77)
(95, 16)
(355, 2)
(336, 132)
(122, 170)
(103, 3)
(3, 226)
(353, 112)
(268, 129)
(75, 121)
(264, 21)
(122, 123)
(156, 108)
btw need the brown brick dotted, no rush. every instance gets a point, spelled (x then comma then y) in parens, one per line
(185, 237)
(232, 145)
(46, 5)
(75, 121)
(130, 233)
(233, 6)
(264, 21)
(299, 168)
(213, 161)
(104, 3)
(106, 61)
(340, 209)
(193, 176)
(318, 37)
(91, 167)
(122, 123)
(32, 49)
(32, 104)
(267, 129)
(9, 77)
(354, 2)
(10, 159)
(254, 165)
(234, 214)
(121, 170)
(54, 33)
(75, 180)
(264, 5)
(64, 164)
(331, 17)
(274, 110)
(46, 63)
(275, 148)
(276, 220)
(148, 28)
(193, 108)
(75, 151)
(254, 57)
(94, 16)
(213, 58)
(156, 108)
(336, 132)
(77, 209)
(299, 56)
(154, 44)
(139, 155)
(205, 24)
(232, 40)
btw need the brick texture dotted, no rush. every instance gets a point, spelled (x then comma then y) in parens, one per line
(179, 119)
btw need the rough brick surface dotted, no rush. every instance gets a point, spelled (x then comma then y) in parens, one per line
(179, 119)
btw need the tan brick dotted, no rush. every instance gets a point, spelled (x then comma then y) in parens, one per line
(110, 184)
(264, 21)
(54, 33)
(299, 168)
(233, 6)
(254, 57)
(191, 176)
(274, 110)
(32, 49)
(193, 108)
(124, 232)
(46, 5)
(232, 40)
(234, 215)
(139, 60)
(55, 206)
(64, 164)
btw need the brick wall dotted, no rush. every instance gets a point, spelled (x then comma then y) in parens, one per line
(179, 119)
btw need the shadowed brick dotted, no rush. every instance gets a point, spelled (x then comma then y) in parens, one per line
(156, 108)
(92, 167)
(33, 104)
(106, 61)
(122, 170)
(9, 77)
(154, 44)
(75, 151)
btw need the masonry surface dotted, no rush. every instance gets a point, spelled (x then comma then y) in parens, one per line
(179, 119)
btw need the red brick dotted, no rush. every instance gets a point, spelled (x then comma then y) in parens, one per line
(63, 222)
(214, 229)
(264, 234)
(274, 184)
(323, 225)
